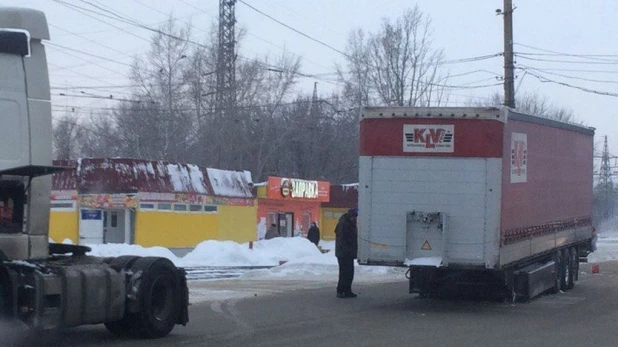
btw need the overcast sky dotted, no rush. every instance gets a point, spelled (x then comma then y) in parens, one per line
(461, 28)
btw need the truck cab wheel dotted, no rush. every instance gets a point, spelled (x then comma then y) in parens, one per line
(159, 297)
(5, 299)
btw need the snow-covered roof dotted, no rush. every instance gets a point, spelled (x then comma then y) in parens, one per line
(122, 175)
(230, 183)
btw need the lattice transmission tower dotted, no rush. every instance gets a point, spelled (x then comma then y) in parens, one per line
(225, 101)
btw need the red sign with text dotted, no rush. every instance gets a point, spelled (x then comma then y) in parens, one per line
(297, 189)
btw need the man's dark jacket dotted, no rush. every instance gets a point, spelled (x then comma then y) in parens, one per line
(313, 234)
(346, 245)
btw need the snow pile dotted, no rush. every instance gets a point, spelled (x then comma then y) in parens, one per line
(327, 245)
(264, 253)
(116, 250)
(294, 256)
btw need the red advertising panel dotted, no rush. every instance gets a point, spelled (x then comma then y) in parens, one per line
(454, 137)
(296, 189)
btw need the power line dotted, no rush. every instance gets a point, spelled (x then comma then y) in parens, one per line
(81, 10)
(583, 70)
(81, 74)
(568, 61)
(127, 20)
(111, 97)
(454, 61)
(54, 45)
(566, 54)
(90, 40)
(563, 55)
(251, 34)
(588, 90)
(296, 30)
(93, 87)
(567, 76)
(470, 59)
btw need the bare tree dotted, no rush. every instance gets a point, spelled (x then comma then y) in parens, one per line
(65, 135)
(534, 104)
(266, 90)
(99, 137)
(161, 80)
(396, 66)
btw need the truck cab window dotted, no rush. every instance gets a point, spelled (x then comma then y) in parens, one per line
(12, 201)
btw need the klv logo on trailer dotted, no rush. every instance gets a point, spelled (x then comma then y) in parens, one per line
(429, 138)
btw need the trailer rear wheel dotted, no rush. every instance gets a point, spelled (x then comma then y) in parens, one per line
(558, 272)
(574, 265)
(567, 269)
(159, 297)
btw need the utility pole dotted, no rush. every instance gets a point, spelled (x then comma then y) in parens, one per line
(225, 101)
(509, 66)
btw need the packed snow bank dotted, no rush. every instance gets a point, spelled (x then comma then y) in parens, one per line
(264, 252)
(116, 250)
(327, 245)
(222, 253)
(298, 257)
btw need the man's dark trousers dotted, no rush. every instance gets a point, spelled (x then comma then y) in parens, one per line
(346, 275)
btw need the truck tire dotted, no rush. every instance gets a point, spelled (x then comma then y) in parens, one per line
(567, 269)
(6, 297)
(128, 324)
(574, 265)
(159, 297)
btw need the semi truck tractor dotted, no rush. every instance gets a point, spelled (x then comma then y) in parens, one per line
(54, 286)
(475, 200)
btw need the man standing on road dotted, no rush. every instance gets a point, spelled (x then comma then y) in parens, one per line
(346, 247)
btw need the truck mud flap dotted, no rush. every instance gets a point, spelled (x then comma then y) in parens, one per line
(183, 317)
(422, 279)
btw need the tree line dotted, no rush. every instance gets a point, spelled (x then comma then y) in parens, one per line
(273, 129)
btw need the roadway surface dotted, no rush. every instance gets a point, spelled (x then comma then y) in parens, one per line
(281, 313)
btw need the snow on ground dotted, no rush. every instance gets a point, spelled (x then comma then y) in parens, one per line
(116, 250)
(228, 253)
(297, 256)
(288, 257)
(607, 242)
(264, 252)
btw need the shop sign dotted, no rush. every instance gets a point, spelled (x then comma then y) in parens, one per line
(63, 195)
(121, 201)
(293, 188)
(194, 199)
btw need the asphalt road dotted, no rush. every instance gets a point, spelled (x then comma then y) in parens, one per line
(385, 315)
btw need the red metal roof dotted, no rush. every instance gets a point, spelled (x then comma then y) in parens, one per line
(121, 175)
